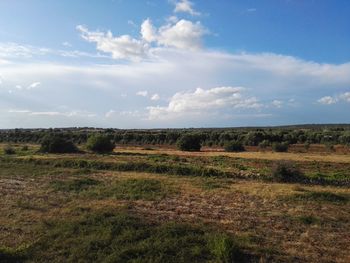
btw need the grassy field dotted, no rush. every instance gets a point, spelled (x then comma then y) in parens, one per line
(162, 205)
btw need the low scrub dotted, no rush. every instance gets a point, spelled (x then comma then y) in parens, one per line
(234, 146)
(100, 143)
(57, 144)
(9, 150)
(287, 172)
(280, 146)
(189, 142)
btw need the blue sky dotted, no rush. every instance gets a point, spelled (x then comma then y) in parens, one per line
(173, 63)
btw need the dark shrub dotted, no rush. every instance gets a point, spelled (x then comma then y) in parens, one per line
(100, 143)
(234, 146)
(189, 142)
(57, 144)
(280, 146)
(25, 148)
(286, 172)
(9, 150)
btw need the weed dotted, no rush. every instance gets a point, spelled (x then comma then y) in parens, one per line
(76, 185)
(323, 196)
(133, 189)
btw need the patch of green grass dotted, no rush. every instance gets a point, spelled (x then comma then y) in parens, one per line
(133, 189)
(75, 185)
(211, 184)
(116, 236)
(308, 220)
(324, 196)
(10, 255)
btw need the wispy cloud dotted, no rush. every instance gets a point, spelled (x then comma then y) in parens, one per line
(185, 6)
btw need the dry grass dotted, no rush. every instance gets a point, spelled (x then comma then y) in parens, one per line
(266, 216)
(307, 157)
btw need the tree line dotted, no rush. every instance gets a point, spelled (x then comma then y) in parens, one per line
(262, 137)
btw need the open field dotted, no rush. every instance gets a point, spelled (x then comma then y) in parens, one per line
(162, 205)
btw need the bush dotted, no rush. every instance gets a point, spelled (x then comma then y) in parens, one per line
(189, 142)
(25, 148)
(286, 172)
(280, 147)
(57, 144)
(9, 150)
(234, 146)
(264, 144)
(100, 143)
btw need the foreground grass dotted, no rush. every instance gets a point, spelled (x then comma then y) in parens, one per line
(117, 236)
(92, 212)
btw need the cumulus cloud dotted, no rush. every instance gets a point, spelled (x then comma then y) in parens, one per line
(185, 6)
(142, 93)
(262, 75)
(277, 103)
(328, 100)
(345, 96)
(121, 47)
(202, 100)
(148, 31)
(183, 34)
(155, 97)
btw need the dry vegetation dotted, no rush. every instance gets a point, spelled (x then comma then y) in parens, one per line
(60, 210)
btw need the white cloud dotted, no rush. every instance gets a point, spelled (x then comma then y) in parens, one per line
(345, 96)
(328, 100)
(143, 93)
(277, 103)
(171, 71)
(110, 113)
(199, 101)
(183, 34)
(13, 50)
(155, 97)
(34, 85)
(66, 44)
(185, 6)
(148, 31)
(122, 47)
(54, 113)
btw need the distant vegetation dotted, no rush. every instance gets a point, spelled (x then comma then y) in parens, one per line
(262, 137)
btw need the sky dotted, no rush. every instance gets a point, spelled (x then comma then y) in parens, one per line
(173, 63)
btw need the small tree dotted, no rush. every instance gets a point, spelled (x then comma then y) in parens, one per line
(234, 146)
(57, 144)
(189, 142)
(100, 143)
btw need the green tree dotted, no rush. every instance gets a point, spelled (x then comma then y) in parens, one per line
(100, 143)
